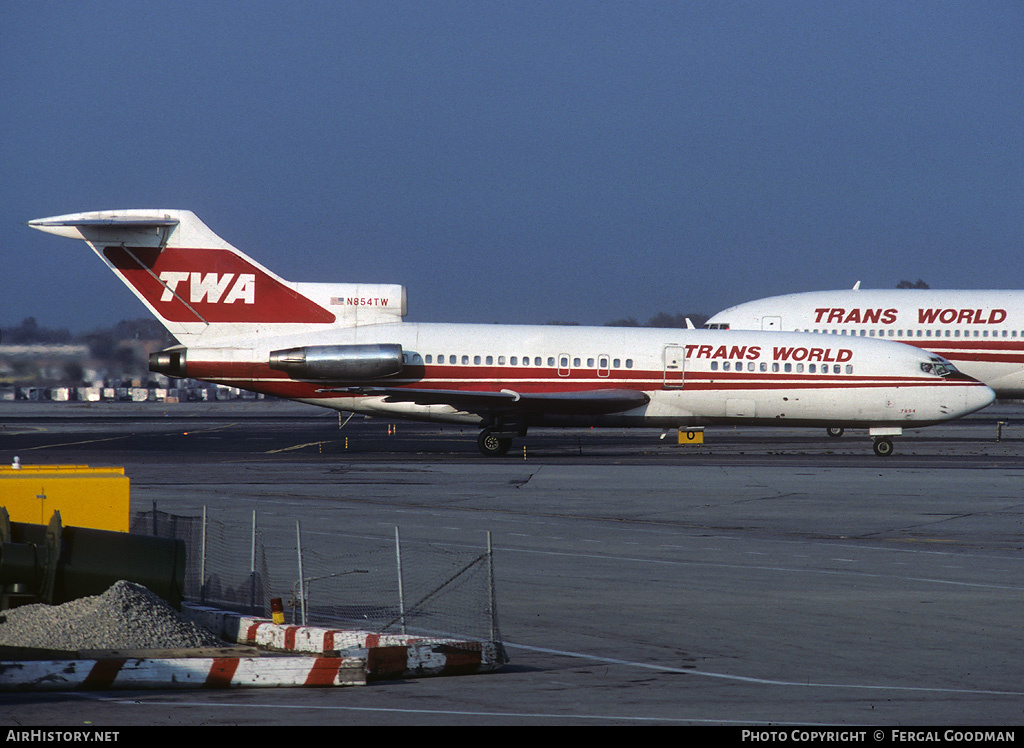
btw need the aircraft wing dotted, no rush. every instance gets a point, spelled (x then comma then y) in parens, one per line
(590, 402)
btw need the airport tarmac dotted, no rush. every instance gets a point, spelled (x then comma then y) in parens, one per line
(770, 576)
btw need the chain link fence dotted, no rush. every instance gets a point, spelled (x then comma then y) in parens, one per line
(338, 579)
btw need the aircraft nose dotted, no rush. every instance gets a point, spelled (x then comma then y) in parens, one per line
(976, 396)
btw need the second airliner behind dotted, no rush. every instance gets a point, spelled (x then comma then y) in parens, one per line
(981, 332)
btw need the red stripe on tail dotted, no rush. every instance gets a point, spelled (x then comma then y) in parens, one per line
(215, 285)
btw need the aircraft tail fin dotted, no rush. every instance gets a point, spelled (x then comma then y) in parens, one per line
(197, 284)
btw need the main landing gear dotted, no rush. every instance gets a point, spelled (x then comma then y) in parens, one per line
(834, 431)
(493, 443)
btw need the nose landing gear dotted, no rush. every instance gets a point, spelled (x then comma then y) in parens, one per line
(883, 446)
(882, 438)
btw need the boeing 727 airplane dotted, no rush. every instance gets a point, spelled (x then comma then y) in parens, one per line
(346, 347)
(980, 332)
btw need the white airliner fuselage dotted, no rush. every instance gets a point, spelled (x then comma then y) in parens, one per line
(981, 332)
(345, 346)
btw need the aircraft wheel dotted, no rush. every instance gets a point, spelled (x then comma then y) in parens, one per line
(835, 431)
(883, 446)
(491, 444)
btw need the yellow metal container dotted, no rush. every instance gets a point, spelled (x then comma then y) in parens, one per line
(85, 496)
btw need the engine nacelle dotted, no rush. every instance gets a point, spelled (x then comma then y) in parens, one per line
(339, 362)
(170, 362)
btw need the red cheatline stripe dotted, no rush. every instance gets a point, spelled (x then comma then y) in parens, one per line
(991, 343)
(690, 384)
(103, 673)
(960, 357)
(636, 380)
(753, 386)
(221, 672)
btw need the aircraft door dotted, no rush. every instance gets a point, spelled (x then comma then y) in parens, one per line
(675, 359)
(771, 323)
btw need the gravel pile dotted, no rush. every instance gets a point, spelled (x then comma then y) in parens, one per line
(126, 616)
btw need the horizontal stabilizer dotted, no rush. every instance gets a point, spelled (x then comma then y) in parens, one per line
(44, 224)
(135, 228)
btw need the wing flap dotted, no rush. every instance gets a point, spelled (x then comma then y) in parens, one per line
(585, 402)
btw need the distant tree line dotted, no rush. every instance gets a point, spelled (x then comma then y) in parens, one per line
(103, 342)
(662, 319)
(29, 332)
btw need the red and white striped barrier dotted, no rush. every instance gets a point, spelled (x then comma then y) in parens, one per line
(386, 655)
(181, 672)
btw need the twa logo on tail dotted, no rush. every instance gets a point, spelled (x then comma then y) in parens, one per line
(211, 287)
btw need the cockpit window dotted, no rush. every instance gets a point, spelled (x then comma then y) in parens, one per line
(939, 367)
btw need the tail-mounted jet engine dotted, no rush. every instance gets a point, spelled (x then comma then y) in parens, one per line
(170, 362)
(354, 363)
(339, 362)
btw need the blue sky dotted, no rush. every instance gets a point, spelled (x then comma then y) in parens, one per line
(523, 161)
